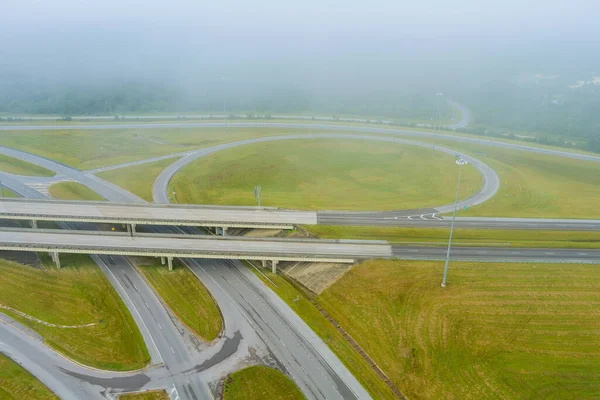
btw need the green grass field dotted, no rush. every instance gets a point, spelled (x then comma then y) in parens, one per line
(138, 179)
(10, 194)
(467, 237)
(186, 297)
(325, 174)
(527, 331)
(17, 384)
(149, 395)
(537, 185)
(73, 191)
(297, 301)
(260, 382)
(76, 294)
(19, 167)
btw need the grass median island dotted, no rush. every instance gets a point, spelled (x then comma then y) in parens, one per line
(149, 395)
(325, 174)
(73, 191)
(260, 382)
(186, 297)
(536, 185)
(496, 331)
(16, 383)
(138, 179)
(462, 236)
(78, 294)
(20, 167)
(298, 302)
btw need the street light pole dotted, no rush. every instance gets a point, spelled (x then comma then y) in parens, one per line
(460, 162)
(436, 129)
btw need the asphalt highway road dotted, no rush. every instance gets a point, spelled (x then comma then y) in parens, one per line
(498, 254)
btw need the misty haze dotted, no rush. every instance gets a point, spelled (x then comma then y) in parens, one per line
(299, 200)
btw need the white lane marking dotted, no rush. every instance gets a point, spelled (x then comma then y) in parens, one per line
(423, 217)
(549, 253)
(582, 254)
(410, 217)
(412, 250)
(433, 216)
(282, 343)
(302, 368)
(482, 252)
(172, 351)
(515, 252)
(147, 306)
(159, 327)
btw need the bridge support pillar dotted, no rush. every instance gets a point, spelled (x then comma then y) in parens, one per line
(131, 229)
(224, 231)
(170, 262)
(56, 259)
(274, 266)
(264, 263)
(162, 261)
(34, 224)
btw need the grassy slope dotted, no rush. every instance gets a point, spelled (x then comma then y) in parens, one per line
(537, 185)
(471, 237)
(138, 179)
(149, 395)
(76, 294)
(186, 297)
(9, 193)
(19, 167)
(496, 331)
(325, 174)
(260, 383)
(16, 383)
(326, 331)
(73, 191)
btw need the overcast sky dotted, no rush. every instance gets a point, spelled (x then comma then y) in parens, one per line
(321, 40)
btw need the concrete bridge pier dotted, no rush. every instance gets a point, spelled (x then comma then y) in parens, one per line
(162, 261)
(131, 229)
(274, 266)
(170, 262)
(34, 224)
(55, 258)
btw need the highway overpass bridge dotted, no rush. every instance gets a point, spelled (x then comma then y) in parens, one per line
(132, 214)
(168, 246)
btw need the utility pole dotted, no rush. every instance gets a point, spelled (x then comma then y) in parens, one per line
(459, 161)
(257, 193)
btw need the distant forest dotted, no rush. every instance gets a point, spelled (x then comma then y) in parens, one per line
(546, 112)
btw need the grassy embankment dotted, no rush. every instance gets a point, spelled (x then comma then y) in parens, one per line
(76, 294)
(325, 174)
(186, 297)
(10, 194)
(73, 191)
(16, 383)
(19, 167)
(465, 237)
(149, 395)
(297, 301)
(137, 179)
(496, 331)
(260, 382)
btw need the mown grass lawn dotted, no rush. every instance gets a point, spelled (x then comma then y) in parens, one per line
(260, 382)
(462, 236)
(17, 384)
(138, 179)
(325, 174)
(76, 294)
(73, 191)
(526, 331)
(19, 167)
(186, 296)
(149, 395)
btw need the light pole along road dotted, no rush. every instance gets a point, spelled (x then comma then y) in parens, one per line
(460, 162)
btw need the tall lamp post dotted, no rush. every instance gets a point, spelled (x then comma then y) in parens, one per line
(437, 127)
(459, 161)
